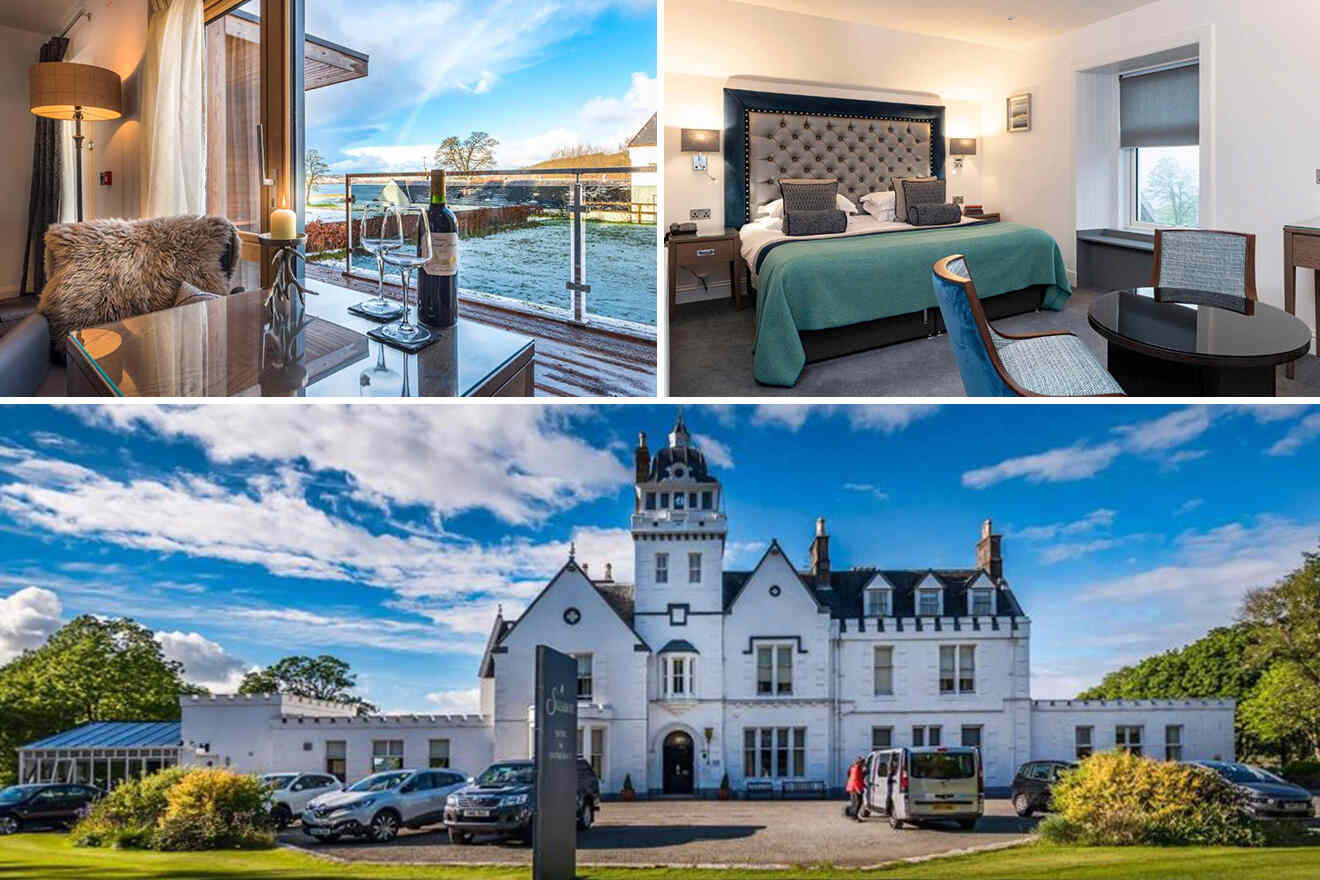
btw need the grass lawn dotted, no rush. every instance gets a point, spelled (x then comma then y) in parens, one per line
(51, 857)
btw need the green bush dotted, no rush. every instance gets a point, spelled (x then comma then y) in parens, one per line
(1303, 773)
(1118, 799)
(180, 809)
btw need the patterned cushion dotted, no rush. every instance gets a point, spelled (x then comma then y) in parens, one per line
(808, 195)
(1056, 366)
(933, 214)
(1201, 260)
(815, 222)
(900, 196)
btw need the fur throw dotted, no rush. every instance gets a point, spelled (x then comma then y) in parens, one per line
(108, 270)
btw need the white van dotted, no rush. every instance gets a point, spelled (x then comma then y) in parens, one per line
(938, 783)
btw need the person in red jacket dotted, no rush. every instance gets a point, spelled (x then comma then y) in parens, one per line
(854, 788)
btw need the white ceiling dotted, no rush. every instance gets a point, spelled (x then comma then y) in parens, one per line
(975, 21)
(41, 16)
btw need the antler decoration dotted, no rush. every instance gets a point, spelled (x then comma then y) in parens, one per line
(286, 321)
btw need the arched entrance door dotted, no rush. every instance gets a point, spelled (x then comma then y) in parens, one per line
(677, 756)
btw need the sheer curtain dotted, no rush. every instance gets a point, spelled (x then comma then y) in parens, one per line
(173, 105)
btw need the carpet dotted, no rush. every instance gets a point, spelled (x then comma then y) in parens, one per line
(710, 355)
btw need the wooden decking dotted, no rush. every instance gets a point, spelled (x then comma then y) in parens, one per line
(571, 360)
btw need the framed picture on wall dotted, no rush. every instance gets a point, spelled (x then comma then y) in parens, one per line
(1019, 113)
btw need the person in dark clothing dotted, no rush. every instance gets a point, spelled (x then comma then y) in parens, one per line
(854, 788)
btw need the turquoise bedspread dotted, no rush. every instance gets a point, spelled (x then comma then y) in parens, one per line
(815, 285)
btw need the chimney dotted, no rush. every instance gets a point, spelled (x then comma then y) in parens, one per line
(989, 557)
(609, 573)
(820, 554)
(642, 458)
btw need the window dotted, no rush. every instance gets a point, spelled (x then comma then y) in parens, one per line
(233, 98)
(928, 603)
(1127, 738)
(775, 752)
(983, 604)
(957, 669)
(877, 603)
(598, 752)
(971, 735)
(679, 498)
(1173, 750)
(678, 676)
(707, 500)
(386, 754)
(336, 759)
(926, 735)
(692, 500)
(678, 615)
(583, 676)
(650, 501)
(884, 672)
(1159, 121)
(694, 568)
(664, 499)
(662, 568)
(882, 738)
(438, 754)
(1082, 741)
(774, 670)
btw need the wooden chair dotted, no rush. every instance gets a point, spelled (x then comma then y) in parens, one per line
(1204, 259)
(994, 364)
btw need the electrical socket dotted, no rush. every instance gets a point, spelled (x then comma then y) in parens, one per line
(704, 213)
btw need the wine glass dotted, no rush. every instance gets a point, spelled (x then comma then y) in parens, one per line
(381, 231)
(416, 251)
(381, 380)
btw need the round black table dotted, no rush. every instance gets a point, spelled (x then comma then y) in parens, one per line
(1172, 342)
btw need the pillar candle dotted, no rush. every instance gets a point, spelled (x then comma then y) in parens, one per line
(283, 224)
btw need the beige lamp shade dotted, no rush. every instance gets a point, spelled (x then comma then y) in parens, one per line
(56, 88)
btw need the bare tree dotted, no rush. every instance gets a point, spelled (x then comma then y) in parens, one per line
(476, 152)
(314, 169)
(577, 151)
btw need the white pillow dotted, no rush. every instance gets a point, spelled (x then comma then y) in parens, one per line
(776, 208)
(880, 205)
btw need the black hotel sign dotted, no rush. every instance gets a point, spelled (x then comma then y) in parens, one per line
(554, 853)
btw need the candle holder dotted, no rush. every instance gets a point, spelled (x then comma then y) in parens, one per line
(283, 345)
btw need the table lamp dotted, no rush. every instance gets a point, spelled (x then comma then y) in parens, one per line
(63, 90)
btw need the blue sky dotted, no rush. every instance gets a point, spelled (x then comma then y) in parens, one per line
(536, 74)
(389, 535)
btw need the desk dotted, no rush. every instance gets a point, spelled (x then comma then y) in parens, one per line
(1301, 250)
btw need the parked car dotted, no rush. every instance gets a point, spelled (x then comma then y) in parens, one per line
(919, 785)
(47, 805)
(1033, 786)
(502, 801)
(1268, 796)
(290, 793)
(379, 805)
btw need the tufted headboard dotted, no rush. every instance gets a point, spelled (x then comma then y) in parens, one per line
(864, 144)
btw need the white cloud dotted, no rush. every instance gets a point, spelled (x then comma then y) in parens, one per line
(27, 618)
(888, 418)
(460, 702)
(1298, 436)
(1077, 462)
(1096, 519)
(791, 416)
(1168, 431)
(717, 453)
(205, 662)
(868, 488)
(1061, 552)
(1188, 506)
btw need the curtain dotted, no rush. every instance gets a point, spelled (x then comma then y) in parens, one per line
(1161, 109)
(44, 199)
(173, 103)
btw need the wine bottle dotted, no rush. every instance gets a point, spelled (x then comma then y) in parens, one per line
(437, 291)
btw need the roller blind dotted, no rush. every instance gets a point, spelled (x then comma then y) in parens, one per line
(1161, 109)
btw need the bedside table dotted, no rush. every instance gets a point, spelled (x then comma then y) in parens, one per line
(989, 217)
(700, 251)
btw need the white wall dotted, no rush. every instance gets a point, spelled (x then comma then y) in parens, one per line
(1260, 131)
(1207, 726)
(706, 44)
(470, 742)
(17, 128)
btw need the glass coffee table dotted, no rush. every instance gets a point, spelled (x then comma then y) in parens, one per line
(1171, 342)
(214, 349)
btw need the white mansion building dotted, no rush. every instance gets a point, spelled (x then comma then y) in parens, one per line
(778, 673)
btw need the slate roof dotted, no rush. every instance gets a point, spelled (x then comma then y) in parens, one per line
(646, 135)
(844, 598)
(114, 735)
(620, 597)
(679, 646)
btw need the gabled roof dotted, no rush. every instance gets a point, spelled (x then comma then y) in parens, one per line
(116, 735)
(497, 631)
(619, 597)
(733, 587)
(646, 135)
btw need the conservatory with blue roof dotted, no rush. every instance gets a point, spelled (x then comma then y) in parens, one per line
(102, 753)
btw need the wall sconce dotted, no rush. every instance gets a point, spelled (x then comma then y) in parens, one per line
(960, 147)
(700, 141)
(710, 734)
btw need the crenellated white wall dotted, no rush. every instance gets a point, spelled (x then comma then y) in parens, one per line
(1207, 726)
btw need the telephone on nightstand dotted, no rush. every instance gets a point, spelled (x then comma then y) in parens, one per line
(682, 229)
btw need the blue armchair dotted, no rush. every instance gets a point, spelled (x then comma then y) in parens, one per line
(995, 364)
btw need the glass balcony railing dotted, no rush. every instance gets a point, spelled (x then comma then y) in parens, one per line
(579, 243)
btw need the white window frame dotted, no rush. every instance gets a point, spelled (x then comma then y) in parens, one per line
(1130, 200)
(1078, 745)
(774, 648)
(1173, 748)
(888, 731)
(980, 734)
(431, 755)
(927, 735)
(792, 740)
(989, 596)
(591, 677)
(963, 672)
(688, 676)
(591, 747)
(886, 602)
(694, 568)
(939, 601)
(1124, 742)
(389, 749)
(876, 653)
(678, 615)
(662, 568)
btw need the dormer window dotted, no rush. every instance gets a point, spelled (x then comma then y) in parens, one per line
(879, 602)
(928, 603)
(678, 680)
(983, 603)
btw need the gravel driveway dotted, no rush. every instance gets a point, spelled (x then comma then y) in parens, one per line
(688, 833)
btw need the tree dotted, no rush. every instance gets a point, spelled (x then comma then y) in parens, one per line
(88, 670)
(1285, 708)
(476, 152)
(578, 150)
(1172, 195)
(322, 678)
(314, 169)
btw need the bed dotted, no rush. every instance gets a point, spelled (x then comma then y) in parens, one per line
(824, 296)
